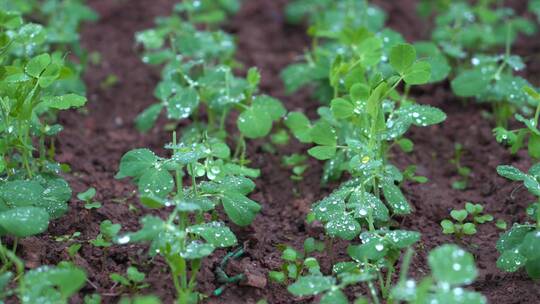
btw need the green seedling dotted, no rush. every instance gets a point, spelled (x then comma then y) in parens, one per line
(296, 263)
(48, 284)
(88, 198)
(516, 138)
(452, 268)
(192, 230)
(518, 247)
(108, 232)
(92, 299)
(378, 253)
(464, 172)
(297, 163)
(410, 174)
(31, 189)
(110, 81)
(464, 221)
(141, 300)
(133, 280)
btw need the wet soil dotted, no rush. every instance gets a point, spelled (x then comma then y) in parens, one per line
(93, 142)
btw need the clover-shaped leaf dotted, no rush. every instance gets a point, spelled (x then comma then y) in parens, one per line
(453, 265)
(240, 209)
(311, 285)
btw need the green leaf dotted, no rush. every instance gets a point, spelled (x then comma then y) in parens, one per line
(64, 102)
(37, 65)
(136, 162)
(20, 193)
(322, 152)
(87, 195)
(453, 265)
(402, 238)
(418, 73)
(158, 182)
(240, 209)
(135, 275)
(513, 237)
(530, 247)
(215, 233)
(470, 83)
(402, 57)
(423, 115)
(511, 260)
(373, 250)
(322, 133)
(534, 146)
(48, 284)
(448, 227)
(147, 119)
(334, 297)
(469, 228)
(182, 104)
(299, 125)
(197, 250)
(311, 285)
(366, 204)
(289, 254)
(271, 106)
(533, 269)
(511, 173)
(394, 198)
(254, 123)
(342, 108)
(344, 227)
(24, 221)
(459, 215)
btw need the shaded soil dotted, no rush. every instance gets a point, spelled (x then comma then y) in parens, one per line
(93, 143)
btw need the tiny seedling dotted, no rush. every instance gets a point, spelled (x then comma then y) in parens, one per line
(464, 172)
(464, 221)
(519, 246)
(516, 138)
(295, 263)
(297, 163)
(452, 268)
(88, 198)
(108, 232)
(133, 280)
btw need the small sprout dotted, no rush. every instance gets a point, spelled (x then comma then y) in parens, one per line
(463, 171)
(133, 280)
(108, 232)
(87, 197)
(464, 222)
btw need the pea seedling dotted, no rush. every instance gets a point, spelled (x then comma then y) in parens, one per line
(187, 235)
(297, 163)
(108, 232)
(88, 198)
(133, 280)
(451, 269)
(518, 247)
(466, 220)
(464, 172)
(516, 138)
(295, 263)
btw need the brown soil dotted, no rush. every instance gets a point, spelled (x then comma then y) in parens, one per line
(93, 143)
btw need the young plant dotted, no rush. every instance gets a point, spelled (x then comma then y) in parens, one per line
(31, 190)
(356, 133)
(47, 284)
(297, 163)
(516, 138)
(108, 232)
(378, 253)
(88, 198)
(451, 269)
(133, 280)
(464, 172)
(295, 263)
(466, 220)
(519, 246)
(192, 230)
